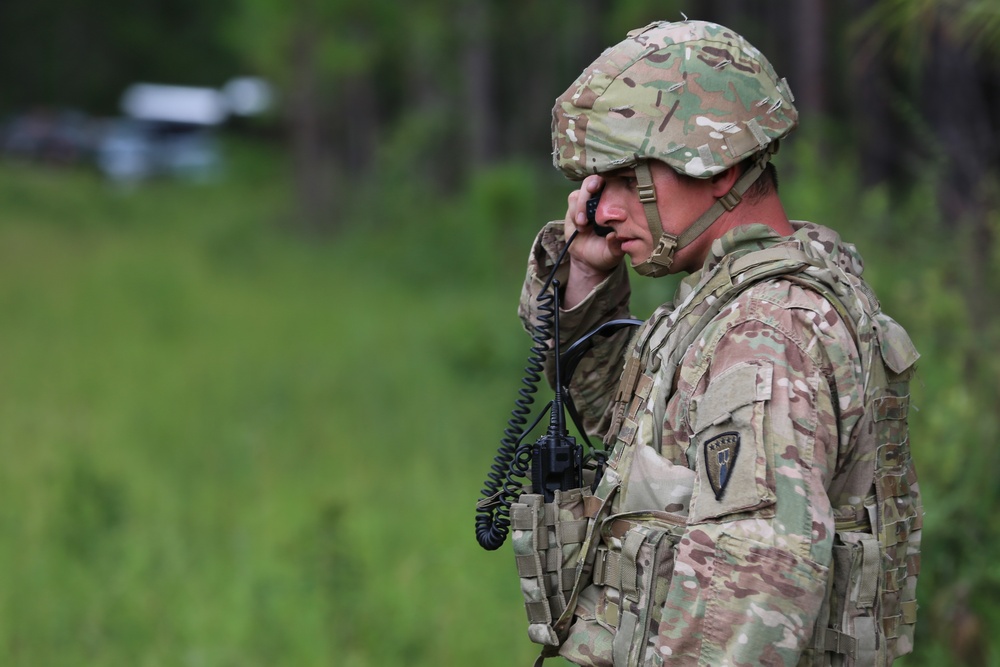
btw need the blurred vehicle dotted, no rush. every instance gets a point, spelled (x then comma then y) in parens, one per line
(53, 136)
(166, 130)
(170, 130)
(132, 150)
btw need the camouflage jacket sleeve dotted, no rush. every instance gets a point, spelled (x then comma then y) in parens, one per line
(597, 375)
(756, 414)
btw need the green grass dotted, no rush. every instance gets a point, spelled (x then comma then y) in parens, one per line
(226, 445)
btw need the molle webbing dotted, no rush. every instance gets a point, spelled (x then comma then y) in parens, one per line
(554, 548)
(870, 615)
(870, 612)
(543, 564)
(728, 281)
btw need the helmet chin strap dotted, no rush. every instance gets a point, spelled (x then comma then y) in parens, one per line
(667, 245)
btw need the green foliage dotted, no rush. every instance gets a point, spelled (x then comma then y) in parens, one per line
(72, 53)
(347, 36)
(227, 446)
(908, 25)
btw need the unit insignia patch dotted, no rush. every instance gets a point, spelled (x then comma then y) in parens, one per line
(720, 457)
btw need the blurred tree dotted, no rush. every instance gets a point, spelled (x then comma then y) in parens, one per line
(481, 122)
(448, 80)
(809, 47)
(323, 56)
(944, 56)
(870, 105)
(379, 86)
(73, 53)
(941, 52)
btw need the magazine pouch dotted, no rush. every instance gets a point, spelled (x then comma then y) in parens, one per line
(547, 539)
(633, 569)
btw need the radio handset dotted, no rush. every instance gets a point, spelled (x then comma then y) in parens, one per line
(595, 199)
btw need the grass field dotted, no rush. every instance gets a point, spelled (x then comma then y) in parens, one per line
(225, 445)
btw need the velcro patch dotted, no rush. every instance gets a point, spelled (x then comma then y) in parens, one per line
(720, 459)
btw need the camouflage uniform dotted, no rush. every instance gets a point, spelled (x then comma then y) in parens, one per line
(760, 505)
(764, 434)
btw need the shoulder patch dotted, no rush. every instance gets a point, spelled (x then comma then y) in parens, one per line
(720, 458)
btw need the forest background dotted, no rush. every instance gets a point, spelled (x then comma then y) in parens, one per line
(246, 421)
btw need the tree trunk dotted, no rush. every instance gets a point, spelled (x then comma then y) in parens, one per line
(964, 126)
(357, 116)
(878, 133)
(480, 123)
(807, 76)
(310, 166)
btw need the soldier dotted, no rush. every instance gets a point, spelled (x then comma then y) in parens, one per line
(760, 505)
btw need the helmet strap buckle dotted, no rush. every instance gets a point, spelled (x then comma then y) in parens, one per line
(731, 199)
(667, 244)
(647, 194)
(659, 261)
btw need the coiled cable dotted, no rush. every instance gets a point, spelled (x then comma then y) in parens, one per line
(513, 459)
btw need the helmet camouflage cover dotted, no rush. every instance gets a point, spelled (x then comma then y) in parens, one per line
(692, 94)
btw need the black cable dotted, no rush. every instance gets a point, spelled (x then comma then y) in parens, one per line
(574, 355)
(513, 459)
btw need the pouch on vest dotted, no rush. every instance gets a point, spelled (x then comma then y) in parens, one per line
(631, 577)
(548, 539)
(871, 611)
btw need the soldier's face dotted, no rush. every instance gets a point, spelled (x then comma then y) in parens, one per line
(680, 201)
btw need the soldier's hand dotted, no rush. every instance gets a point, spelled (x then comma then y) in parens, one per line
(592, 257)
(590, 252)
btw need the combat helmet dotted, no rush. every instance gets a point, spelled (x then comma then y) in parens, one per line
(694, 95)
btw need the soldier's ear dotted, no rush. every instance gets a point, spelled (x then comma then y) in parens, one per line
(724, 181)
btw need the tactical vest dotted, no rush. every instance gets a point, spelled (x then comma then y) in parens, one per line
(621, 559)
